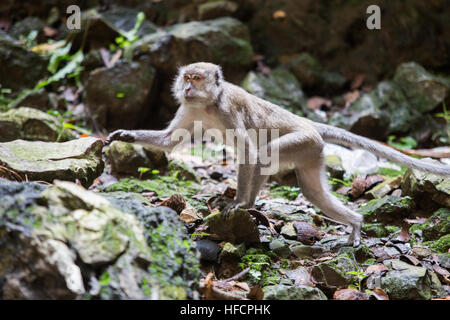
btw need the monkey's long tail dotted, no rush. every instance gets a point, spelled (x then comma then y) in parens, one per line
(348, 139)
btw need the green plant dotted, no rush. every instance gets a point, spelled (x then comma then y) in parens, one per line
(445, 114)
(404, 143)
(360, 276)
(143, 170)
(128, 37)
(287, 192)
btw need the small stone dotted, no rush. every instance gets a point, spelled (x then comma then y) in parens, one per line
(280, 248)
(288, 231)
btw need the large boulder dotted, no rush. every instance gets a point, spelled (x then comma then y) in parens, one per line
(430, 190)
(120, 96)
(64, 235)
(395, 106)
(225, 41)
(279, 87)
(104, 26)
(127, 158)
(405, 281)
(35, 160)
(32, 124)
(19, 68)
(327, 29)
(282, 292)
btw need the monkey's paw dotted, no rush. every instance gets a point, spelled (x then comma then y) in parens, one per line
(120, 135)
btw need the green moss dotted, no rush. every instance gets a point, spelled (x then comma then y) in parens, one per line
(441, 245)
(285, 192)
(261, 266)
(436, 226)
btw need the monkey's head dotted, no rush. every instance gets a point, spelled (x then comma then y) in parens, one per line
(198, 84)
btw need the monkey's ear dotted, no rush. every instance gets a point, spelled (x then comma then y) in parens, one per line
(219, 76)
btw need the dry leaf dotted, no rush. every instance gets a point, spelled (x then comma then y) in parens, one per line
(256, 293)
(175, 202)
(376, 268)
(279, 15)
(316, 103)
(380, 294)
(350, 294)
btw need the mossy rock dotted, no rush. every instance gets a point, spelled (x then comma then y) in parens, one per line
(35, 160)
(408, 282)
(32, 124)
(236, 227)
(441, 245)
(436, 226)
(334, 272)
(282, 292)
(379, 229)
(388, 209)
(279, 87)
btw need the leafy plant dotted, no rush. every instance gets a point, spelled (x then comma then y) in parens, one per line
(446, 115)
(259, 263)
(360, 276)
(404, 143)
(128, 37)
(287, 192)
(4, 100)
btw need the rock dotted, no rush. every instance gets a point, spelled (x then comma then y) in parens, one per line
(31, 124)
(77, 159)
(421, 252)
(237, 227)
(334, 272)
(333, 164)
(312, 75)
(306, 232)
(209, 250)
(38, 99)
(22, 29)
(429, 189)
(279, 87)
(224, 41)
(126, 158)
(356, 161)
(378, 229)
(124, 103)
(216, 9)
(405, 281)
(303, 251)
(360, 253)
(106, 25)
(231, 252)
(436, 226)
(281, 292)
(288, 231)
(388, 209)
(280, 248)
(394, 106)
(183, 171)
(384, 188)
(20, 69)
(328, 29)
(63, 234)
(300, 276)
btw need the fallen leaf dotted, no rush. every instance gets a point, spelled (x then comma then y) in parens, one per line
(350, 294)
(443, 274)
(279, 15)
(380, 294)
(256, 293)
(316, 103)
(411, 259)
(404, 235)
(50, 32)
(376, 268)
(175, 202)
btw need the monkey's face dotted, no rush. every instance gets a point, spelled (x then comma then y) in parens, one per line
(198, 84)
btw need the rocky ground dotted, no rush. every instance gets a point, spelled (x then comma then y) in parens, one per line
(79, 220)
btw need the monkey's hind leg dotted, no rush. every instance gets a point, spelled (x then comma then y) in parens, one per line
(314, 186)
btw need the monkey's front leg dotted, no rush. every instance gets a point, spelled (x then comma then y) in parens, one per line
(159, 139)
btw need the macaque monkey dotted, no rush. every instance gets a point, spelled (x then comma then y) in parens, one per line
(205, 96)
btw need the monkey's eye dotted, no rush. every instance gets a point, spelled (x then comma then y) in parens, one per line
(196, 77)
(186, 78)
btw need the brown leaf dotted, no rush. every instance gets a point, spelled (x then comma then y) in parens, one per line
(404, 235)
(358, 186)
(115, 58)
(175, 202)
(412, 259)
(443, 274)
(380, 294)
(351, 97)
(229, 193)
(357, 82)
(316, 103)
(256, 293)
(279, 15)
(50, 32)
(376, 268)
(350, 294)
(189, 215)
(306, 232)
